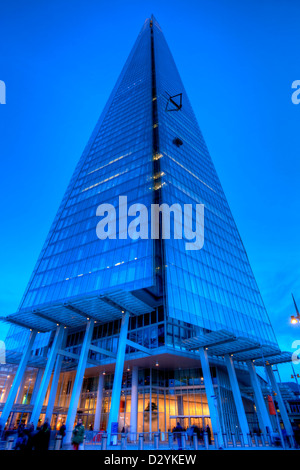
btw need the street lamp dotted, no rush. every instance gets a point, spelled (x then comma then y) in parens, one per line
(295, 318)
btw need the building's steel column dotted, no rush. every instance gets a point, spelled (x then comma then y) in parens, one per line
(211, 397)
(263, 415)
(116, 391)
(55, 380)
(37, 385)
(79, 379)
(37, 408)
(237, 397)
(7, 387)
(19, 396)
(99, 403)
(134, 402)
(17, 380)
(278, 398)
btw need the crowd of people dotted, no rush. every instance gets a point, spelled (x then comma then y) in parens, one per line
(29, 438)
(178, 430)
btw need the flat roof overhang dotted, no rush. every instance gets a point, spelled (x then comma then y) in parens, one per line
(74, 312)
(13, 358)
(281, 358)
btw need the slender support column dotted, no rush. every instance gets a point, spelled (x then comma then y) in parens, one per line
(19, 396)
(47, 375)
(10, 420)
(79, 379)
(134, 402)
(211, 397)
(17, 380)
(99, 402)
(282, 408)
(7, 387)
(237, 397)
(46, 399)
(116, 391)
(262, 411)
(55, 380)
(37, 385)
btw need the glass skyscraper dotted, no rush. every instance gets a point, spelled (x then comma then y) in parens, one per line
(132, 315)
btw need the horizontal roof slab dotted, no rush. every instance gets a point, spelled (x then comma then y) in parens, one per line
(76, 311)
(219, 343)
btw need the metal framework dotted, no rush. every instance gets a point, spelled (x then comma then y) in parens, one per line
(222, 342)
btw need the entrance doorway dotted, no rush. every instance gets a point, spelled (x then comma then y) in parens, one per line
(201, 421)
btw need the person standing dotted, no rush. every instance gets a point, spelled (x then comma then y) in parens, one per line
(190, 432)
(29, 430)
(178, 432)
(44, 435)
(208, 434)
(62, 432)
(21, 441)
(78, 436)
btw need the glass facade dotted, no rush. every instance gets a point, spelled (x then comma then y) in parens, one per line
(132, 153)
(214, 287)
(165, 397)
(117, 161)
(142, 150)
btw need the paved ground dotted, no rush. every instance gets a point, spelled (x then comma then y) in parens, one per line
(147, 446)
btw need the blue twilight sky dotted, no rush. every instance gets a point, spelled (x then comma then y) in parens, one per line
(60, 60)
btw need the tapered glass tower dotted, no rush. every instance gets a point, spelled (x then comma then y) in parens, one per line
(180, 298)
(151, 150)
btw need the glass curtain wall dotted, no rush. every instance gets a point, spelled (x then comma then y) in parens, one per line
(164, 398)
(116, 162)
(213, 287)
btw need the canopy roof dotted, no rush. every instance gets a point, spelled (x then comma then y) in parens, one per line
(221, 342)
(76, 311)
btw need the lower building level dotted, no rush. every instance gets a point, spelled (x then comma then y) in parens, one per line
(141, 383)
(163, 397)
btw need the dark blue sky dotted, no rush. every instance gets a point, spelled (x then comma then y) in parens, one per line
(60, 60)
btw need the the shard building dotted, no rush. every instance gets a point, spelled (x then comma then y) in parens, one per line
(146, 326)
